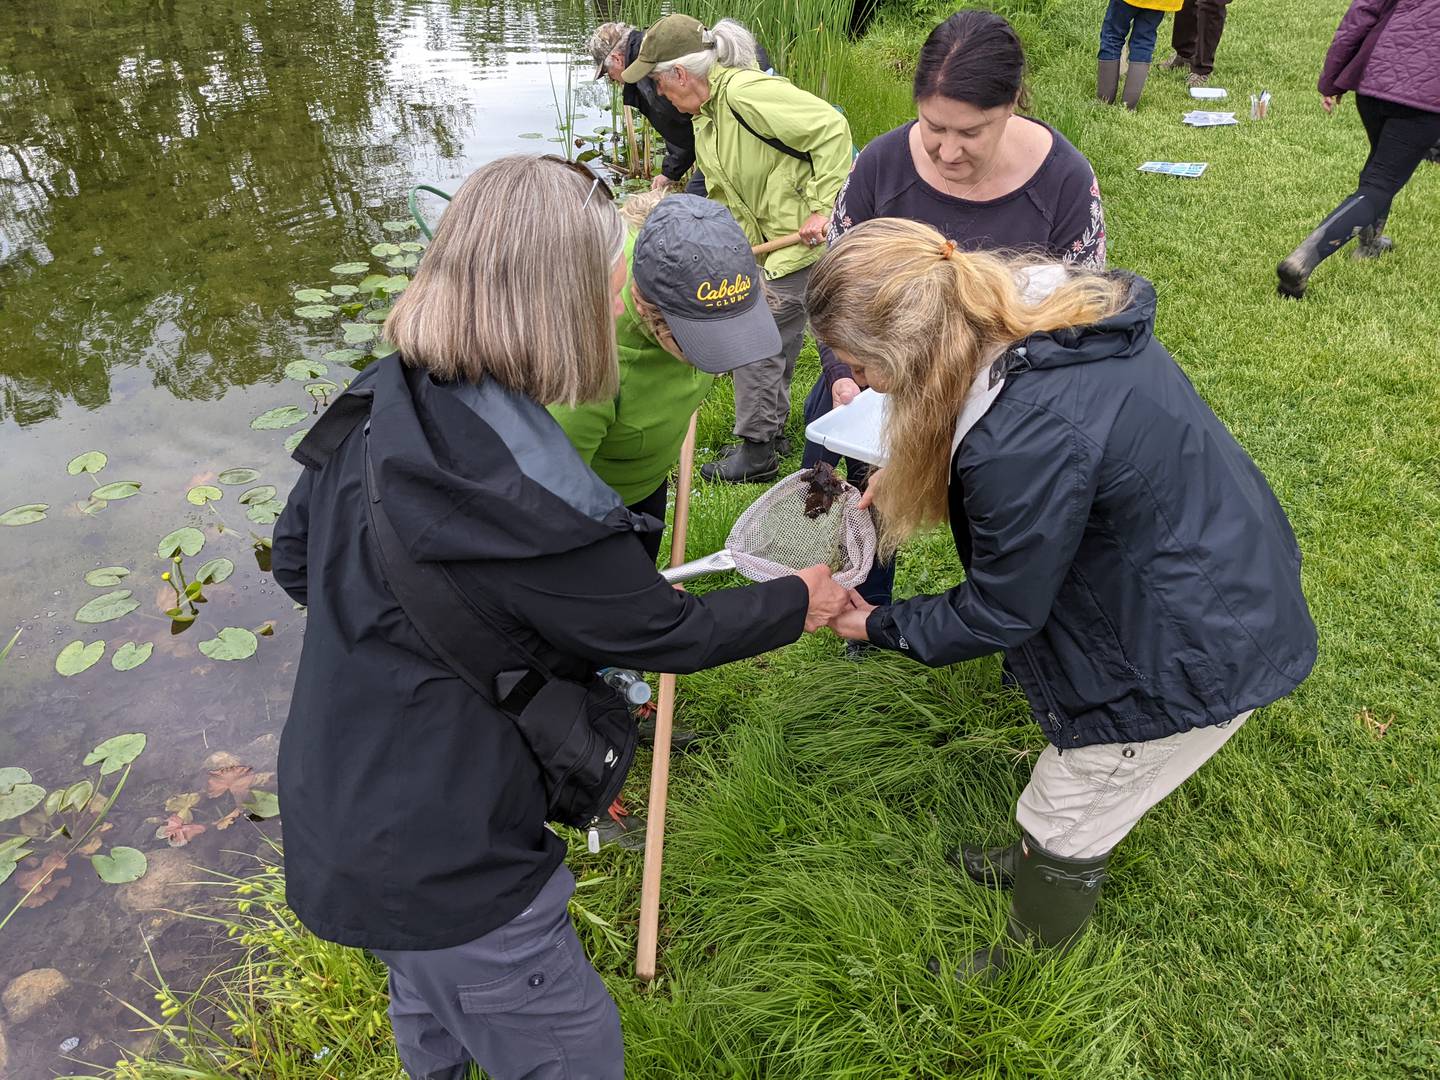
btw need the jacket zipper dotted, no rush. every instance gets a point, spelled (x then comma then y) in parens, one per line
(1052, 711)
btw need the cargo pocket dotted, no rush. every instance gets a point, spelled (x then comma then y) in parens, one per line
(542, 987)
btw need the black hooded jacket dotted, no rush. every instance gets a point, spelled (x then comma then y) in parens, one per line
(414, 810)
(1119, 546)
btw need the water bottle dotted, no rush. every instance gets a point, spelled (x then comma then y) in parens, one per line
(628, 684)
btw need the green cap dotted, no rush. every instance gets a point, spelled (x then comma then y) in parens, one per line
(672, 37)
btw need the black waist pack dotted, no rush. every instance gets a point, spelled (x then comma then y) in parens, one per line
(581, 734)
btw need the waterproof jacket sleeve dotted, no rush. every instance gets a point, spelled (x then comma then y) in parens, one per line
(804, 122)
(1027, 497)
(585, 425)
(289, 559)
(606, 604)
(1350, 35)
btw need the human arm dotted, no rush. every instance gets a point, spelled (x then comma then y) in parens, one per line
(1078, 233)
(1349, 38)
(1027, 497)
(804, 122)
(585, 425)
(289, 552)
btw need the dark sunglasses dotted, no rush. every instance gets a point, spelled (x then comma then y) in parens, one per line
(596, 183)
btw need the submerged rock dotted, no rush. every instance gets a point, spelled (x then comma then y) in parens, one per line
(31, 992)
(169, 876)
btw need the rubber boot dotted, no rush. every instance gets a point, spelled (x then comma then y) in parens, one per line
(1344, 222)
(992, 867)
(1372, 241)
(1135, 76)
(1051, 905)
(753, 462)
(1107, 78)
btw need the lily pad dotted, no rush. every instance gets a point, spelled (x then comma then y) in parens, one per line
(122, 865)
(232, 643)
(350, 268)
(530, 135)
(294, 440)
(372, 282)
(187, 540)
(131, 655)
(258, 494)
(111, 605)
(403, 262)
(235, 477)
(344, 290)
(120, 489)
(322, 389)
(358, 333)
(316, 311)
(9, 777)
(282, 417)
(311, 296)
(214, 571)
(382, 251)
(92, 461)
(25, 515)
(377, 315)
(201, 494)
(20, 797)
(265, 513)
(300, 370)
(105, 576)
(261, 804)
(411, 245)
(116, 752)
(398, 226)
(384, 349)
(343, 356)
(396, 283)
(79, 656)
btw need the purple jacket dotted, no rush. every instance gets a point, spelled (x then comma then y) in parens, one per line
(1387, 49)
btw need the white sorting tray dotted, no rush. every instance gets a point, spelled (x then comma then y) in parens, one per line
(853, 430)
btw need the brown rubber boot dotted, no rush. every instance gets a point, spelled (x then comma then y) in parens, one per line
(1135, 76)
(1107, 79)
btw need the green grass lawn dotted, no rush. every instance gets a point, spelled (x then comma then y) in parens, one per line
(1273, 918)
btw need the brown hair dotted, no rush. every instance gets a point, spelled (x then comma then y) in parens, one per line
(925, 318)
(516, 284)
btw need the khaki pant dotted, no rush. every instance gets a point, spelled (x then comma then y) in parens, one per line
(1081, 803)
(762, 389)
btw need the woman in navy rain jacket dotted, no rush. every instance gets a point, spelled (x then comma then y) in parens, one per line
(1120, 547)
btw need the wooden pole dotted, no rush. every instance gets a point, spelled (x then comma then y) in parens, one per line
(776, 245)
(649, 938)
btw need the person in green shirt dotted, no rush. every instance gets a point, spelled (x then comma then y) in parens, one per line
(694, 309)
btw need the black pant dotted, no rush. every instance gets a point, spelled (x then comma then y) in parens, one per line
(654, 505)
(1400, 137)
(1195, 33)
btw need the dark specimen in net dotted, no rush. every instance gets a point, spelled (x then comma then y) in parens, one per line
(824, 488)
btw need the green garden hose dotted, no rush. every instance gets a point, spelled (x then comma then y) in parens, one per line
(415, 206)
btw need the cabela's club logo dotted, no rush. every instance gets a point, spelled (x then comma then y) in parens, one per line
(726, 293)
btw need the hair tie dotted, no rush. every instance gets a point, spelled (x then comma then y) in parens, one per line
(947, 249)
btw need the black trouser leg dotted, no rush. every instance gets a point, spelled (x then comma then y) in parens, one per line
(1209, 25)
(1182, 32)
(1400, 137)
(654, 505)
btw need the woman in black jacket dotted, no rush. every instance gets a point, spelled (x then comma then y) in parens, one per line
(1119, 546)
(414, 808)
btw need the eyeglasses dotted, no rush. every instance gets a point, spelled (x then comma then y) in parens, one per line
(596, 183)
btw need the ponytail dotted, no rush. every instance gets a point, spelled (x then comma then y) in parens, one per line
(727, 43)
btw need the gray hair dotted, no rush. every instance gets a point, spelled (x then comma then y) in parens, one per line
(515, 286)
(606, 36)
(728, 44)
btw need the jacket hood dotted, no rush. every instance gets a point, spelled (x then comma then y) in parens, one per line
(1121, 336)
(475, 471)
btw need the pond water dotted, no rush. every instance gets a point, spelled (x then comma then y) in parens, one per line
(170, 172)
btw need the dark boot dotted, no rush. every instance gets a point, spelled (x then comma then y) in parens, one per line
(1051, 904)
(992, 867)
(753, 462)
(1135, 76)
(1344, 222)
(1175, 63)
(1372, 241)
(1107, 79)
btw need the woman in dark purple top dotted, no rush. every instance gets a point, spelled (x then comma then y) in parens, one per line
(973, 168)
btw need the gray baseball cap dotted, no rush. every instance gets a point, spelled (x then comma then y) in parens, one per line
(693, 262)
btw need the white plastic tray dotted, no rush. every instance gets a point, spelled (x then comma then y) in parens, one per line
(855, 430)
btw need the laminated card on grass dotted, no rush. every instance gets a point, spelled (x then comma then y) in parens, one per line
(853, 430)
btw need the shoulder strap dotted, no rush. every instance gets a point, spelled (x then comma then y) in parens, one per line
(784, 148)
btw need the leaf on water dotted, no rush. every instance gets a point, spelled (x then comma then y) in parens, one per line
(530, 135)
(79, 656)
(214, 571)
(350, 268)
(236, 779)
(407, 225)
(384, 349)
(316, 311)
(320, 389)
(122, 865)
(92, 461)
(178, 832)
(359, 333)
(182, 806)
(17, 799)
(265, 513)
(131, 655)
(266, 629)
(77, 795)
(27, 514)
(403, 262)
(396, 283)
(300, 370)
(228, 820)
(343, 356)
(381, 251)
(105, 576)
(49, 872)
(188, 540)
(372, 282)
(111, 605)
(260, 494)
(116, 752)
(294, 440)
(9, 777)
(311, 296)
(201, 494)
(282, 417)
(411, 245)
(232, 643)
(377, 315)
(344, 290)
(121, 489)
(262, 805)
(235, 477)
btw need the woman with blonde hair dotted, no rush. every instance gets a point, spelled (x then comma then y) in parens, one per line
(415, 781)
(1119, 546)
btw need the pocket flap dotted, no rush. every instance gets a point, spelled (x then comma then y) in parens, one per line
(522, 985)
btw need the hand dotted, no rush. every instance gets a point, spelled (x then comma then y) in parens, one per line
(814, 230)
(867, 497)
(1328, 102)
(827, 599)
(843, 391)
(850, 623)
(661, 182)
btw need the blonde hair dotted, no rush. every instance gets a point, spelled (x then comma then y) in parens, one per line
(728, 44)
(516, 284)
(636, 208)
(923, 318)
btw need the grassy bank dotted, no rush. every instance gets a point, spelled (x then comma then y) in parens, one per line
(1273, 918)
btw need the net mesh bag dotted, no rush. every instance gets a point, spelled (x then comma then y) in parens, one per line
(808, 517)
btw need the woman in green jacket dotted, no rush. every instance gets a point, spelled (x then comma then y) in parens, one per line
(693, 310)
(775, 157)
